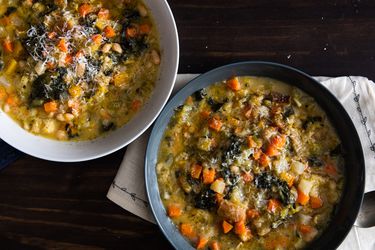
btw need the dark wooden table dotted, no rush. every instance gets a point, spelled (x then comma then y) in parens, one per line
(54, 205)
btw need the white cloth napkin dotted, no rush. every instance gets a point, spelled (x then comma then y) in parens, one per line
(357, 94)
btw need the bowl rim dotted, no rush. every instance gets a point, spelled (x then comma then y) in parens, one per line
(151, 180)
(138, 131)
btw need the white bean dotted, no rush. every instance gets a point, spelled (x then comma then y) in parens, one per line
(40, 68)
(155, 57)
(106, 47)
(142, 10)
(117, 48)
(6, 108)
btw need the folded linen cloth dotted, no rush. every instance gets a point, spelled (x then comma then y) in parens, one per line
(357, 94)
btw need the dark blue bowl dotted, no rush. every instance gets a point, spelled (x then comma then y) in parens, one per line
(346, 211)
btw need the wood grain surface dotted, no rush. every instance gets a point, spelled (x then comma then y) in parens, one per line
(47, 205)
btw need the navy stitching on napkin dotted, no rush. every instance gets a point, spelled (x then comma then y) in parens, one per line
(8, 154)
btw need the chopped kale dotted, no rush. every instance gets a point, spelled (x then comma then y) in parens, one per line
(36, 41)
(234, 148)
(200, 94)
(311, 120)
(288, 112)
(275, 186)
(49, 86)
(134, 46)
(1, 64)
(108, 126)
(205, 199)
(314, 161)
(215, 106)
(71, 131)
(10, 10)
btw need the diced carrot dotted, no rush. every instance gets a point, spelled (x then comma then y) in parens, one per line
(257, 153)
(247, 177)
(131, 32)
(174, 210)
(278, 141)
(302, 198)
(272, 150)
(12, 100)
(62, 45)
(219, 198)
(330, 169)
(79, 53)
(8, 46)
(68, 59)
(144, 28)
(3, 93)
(234, 84)
(103, 14)
(316, 202)
(109, 32)
(240, 227)
(208, 175)
(288, 178)
(252, 213)
(202, 242)
(5, 20)
(136, 104)
(264, 160)
(305, 229)
(50, 106)
(215, 245)
(51, 35)
(196, 171)
(85, 9)
(251, 143)
(248, 111)
(273, 205)
(97, 38)
(187, 230)
(205, 114)
(215, 123)
(226, 226)
(50, 65)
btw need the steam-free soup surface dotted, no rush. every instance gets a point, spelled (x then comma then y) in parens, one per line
(250, 163)
(73, 70)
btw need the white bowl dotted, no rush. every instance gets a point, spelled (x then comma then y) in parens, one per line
(54, 150)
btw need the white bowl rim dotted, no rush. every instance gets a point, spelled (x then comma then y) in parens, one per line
(22, 135)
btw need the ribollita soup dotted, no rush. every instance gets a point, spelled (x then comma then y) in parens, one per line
(73, 70)
(250, 163)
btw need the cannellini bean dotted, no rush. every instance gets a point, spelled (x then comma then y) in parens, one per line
(26, 125)
(80, 70)
(155, 57)
(6, 108)
(40, 68)
(117, 48)
(68, 117)
(106, 47)
(142, 10)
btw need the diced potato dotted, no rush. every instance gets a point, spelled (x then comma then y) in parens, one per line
(218, 186)
(297, 167)
(305, 186)
(50, 126)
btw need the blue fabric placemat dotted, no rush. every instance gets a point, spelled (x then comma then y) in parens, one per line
(8, 154)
